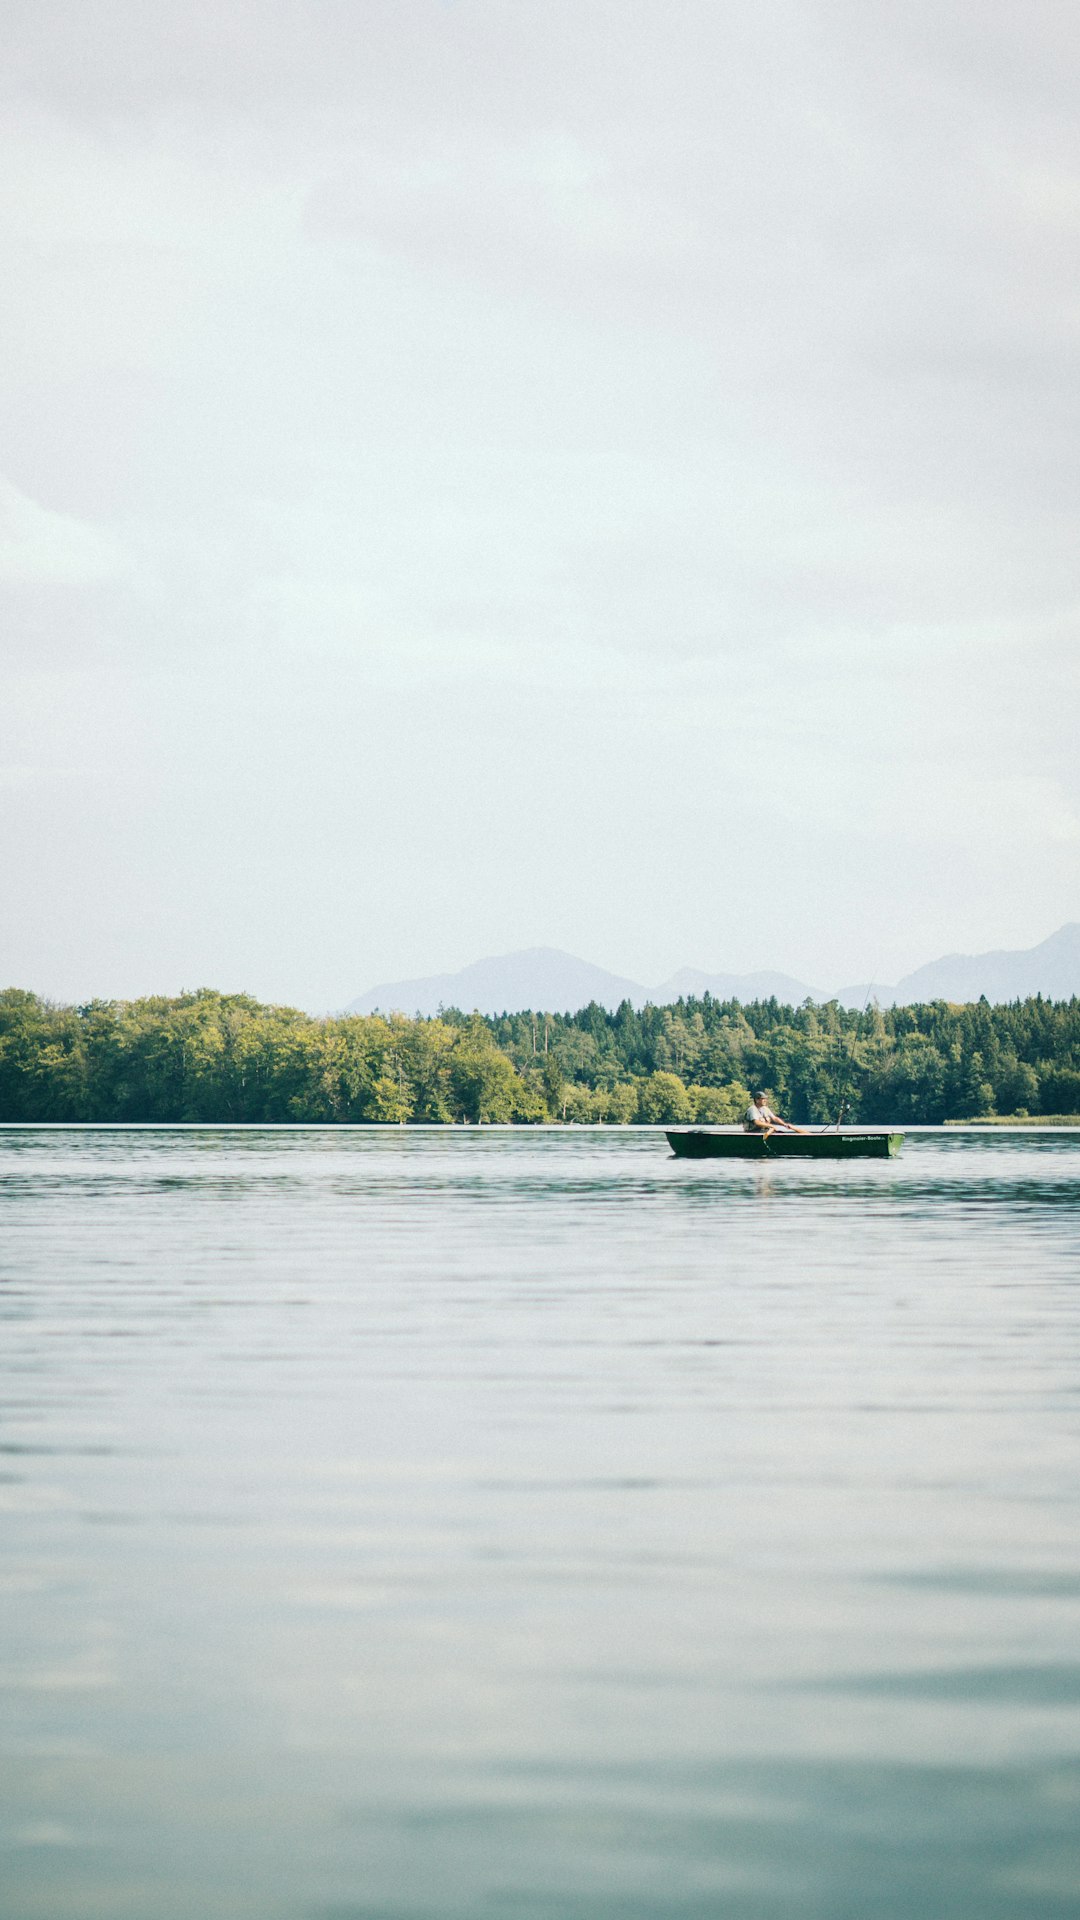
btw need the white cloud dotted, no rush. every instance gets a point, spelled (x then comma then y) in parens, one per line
(42, 548)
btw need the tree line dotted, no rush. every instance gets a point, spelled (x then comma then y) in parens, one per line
(209, 1056)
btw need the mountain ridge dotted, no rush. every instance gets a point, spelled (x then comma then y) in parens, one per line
(546, 979)
(527, 976)
(1051, 968)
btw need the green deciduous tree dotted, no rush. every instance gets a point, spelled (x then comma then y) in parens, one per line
(662, 1100)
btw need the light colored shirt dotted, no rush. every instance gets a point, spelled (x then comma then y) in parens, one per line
(759, 1116)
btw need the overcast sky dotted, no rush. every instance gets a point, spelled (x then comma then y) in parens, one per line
(485, 473)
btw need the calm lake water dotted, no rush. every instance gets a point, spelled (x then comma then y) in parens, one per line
(472, 1523)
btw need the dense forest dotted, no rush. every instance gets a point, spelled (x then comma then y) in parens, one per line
(210, 1056)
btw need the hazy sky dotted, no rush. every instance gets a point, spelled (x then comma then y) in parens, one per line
(485, 473)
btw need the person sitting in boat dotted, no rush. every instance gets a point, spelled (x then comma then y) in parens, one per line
(760, 1118)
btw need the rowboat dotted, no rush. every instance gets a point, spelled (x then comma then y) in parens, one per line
(733, 1143)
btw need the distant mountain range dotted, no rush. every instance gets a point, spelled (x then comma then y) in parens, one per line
(540, 978)
(1052, 969)
(545, 979)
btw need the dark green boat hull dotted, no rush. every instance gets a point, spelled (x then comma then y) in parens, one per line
(693, 1143)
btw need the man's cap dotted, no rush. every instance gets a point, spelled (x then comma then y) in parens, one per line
(760, 1094)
